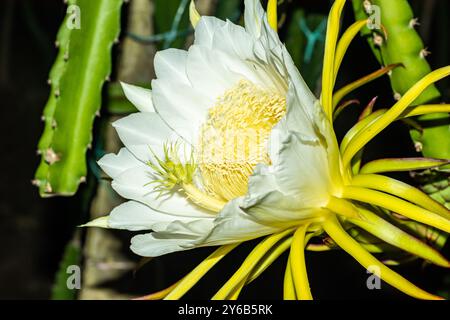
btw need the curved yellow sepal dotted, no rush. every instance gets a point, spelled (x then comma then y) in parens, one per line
(272, 14)
(194, 16)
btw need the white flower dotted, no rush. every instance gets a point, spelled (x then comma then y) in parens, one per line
(227, 92)
(231, 145)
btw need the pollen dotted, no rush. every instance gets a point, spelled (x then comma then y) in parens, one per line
(234, 138)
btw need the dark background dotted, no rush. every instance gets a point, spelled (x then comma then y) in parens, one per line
(34, 231)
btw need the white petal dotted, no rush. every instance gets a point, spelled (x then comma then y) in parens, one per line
(101, 222)
(143, 132)
(114, 164)
(135, 216)
(170, 65)
(234, 225)
(305, 99)
(310, 177)
(180, 236)
(205, 29)
(141, 98)
(253, 16)
(147, 245)
(134, 184)
(183, 108)
(233, 39)
(209, 73)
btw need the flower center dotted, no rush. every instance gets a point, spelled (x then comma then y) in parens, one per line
(234, 138)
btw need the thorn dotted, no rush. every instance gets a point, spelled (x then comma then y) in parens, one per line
(49, 82)
(89, 146)
(378, 40)
(97, 113)
(53, 124)
(36, 182)
(38, 152)
(107, 79)
(424, 53)
(414, 22)
(57, 93)
(83, 180)
(367, 6)
(51, 156)
(389, 73)
(43, 118)
(48, 188)
(418, 146)
(116, 41)
(57, 44)
(397, 96)
(66, 56)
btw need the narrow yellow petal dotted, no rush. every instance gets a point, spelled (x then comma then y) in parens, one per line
(195, 275)
(397, 237)
(401, 190)
(342, 207)
(194, 16)
(273, 255)
(341, 93)
(363, 137)
(425, 109)
(272, 14)
(347, 243)
(249, 263)
(263, 264)
(160, 294)
(358, 127)
(298, 266)
(288, 286)
(401, 164)
(397, 205)
(344, 43)
(365, 123)
(329, 57)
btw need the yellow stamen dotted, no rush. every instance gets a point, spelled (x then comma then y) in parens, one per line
(202, 199)
(234, 138)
